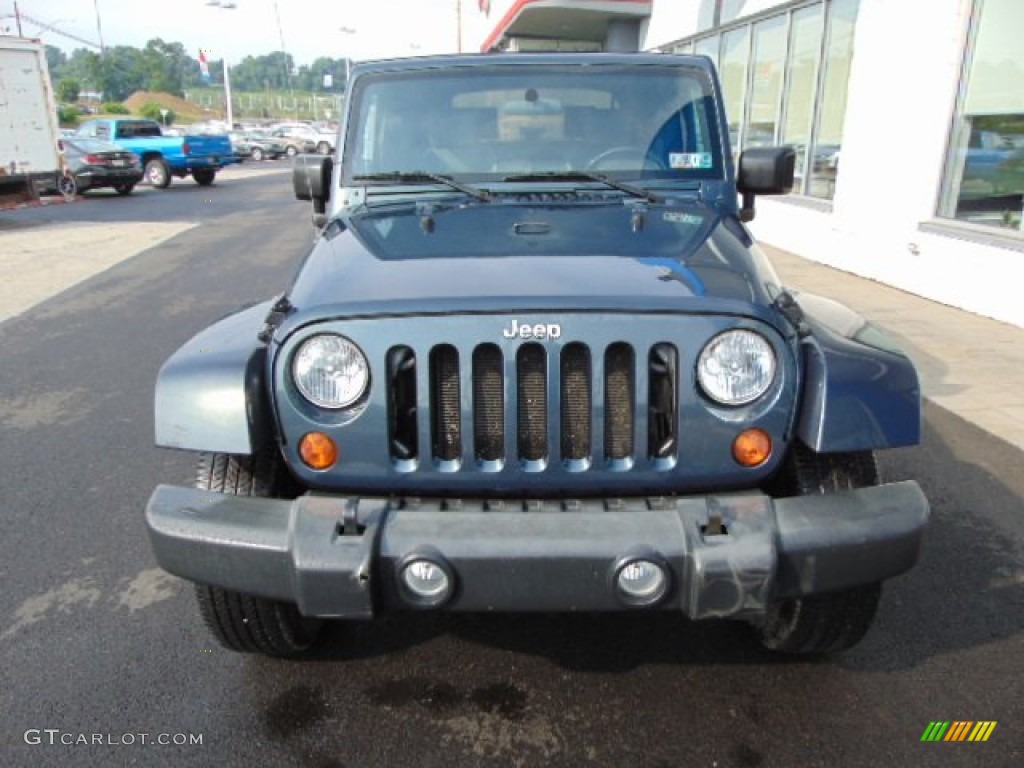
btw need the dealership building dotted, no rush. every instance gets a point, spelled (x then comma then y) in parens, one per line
(907, 118)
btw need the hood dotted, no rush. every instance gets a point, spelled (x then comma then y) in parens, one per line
(497, 256)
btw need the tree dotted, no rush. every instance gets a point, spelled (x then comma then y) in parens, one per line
(254, 73)
(152, 110)
(166, 66)
(118, 73)
(68, 90)
(55, 60)
(311, 78)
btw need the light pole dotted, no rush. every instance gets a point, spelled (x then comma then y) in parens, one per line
(348, 60)
(348, 67)
(226, 5)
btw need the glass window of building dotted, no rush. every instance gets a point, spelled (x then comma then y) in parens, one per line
(733, 71)
(768, 61)
(708, 46)
(985, 170)
(842, 19)
(785, 78)
(804, 46)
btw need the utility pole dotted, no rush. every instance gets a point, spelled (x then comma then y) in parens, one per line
(99, 28)
(17, 17)
(458, 26)
(284, 52)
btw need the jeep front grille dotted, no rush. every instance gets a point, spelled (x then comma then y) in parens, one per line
(576, 402)
(488, 403)
(572, 404)
(531, 377)
(445, 423)
(618, 401)
(662, 401)
(402, 412)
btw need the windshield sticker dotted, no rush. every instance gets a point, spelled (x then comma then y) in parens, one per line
(383, 226)
(677, 217)
(689, 159)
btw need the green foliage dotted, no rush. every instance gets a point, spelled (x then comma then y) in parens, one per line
(152, 110)
(115, 108)
(67, 114)
(55, 59)
(68, 89)
(167, 66)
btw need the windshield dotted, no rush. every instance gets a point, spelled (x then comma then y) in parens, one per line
(491, 123)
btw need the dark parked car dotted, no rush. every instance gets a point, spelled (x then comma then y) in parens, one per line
(98, 164)
(294, 144)
(240, 145)
(535, 361)
(263, 146)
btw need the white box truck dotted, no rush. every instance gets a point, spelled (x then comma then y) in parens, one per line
(31, 161)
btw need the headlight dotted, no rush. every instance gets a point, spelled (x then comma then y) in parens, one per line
(736, 367)
(330, 371)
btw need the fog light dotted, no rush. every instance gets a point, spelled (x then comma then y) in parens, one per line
(752, 447)
(426, 583)
(318, 450)
(641, 582)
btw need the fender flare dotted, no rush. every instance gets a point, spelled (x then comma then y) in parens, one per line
(211, 394)
(860, 392)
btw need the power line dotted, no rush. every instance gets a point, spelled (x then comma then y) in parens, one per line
(51, 28)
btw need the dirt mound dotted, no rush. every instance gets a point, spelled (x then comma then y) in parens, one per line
(179, 106)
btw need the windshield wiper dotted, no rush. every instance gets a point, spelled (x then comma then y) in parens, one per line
(440, 178)
(629, 189)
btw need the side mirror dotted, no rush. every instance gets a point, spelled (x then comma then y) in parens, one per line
(764, 171)
(311, 179)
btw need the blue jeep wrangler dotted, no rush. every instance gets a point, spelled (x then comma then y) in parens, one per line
(535, 362)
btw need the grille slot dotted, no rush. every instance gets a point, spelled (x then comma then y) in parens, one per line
(576, 402)
(402, 431)
(445, 421)
(618, 401)
(488, 404)
(662, 410)
(531, 374)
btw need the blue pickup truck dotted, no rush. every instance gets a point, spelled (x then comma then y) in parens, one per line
(200, 156)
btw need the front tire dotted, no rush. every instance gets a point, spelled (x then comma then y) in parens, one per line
(243, 622)
(835, 621)
(254, 625)
(323, 148)
(158, 174)
(124, 189)
(256, 154)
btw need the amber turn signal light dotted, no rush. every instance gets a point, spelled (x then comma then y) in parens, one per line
(318, 450)
(752, 447)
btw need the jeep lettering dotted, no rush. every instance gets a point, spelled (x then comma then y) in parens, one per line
(538, 331)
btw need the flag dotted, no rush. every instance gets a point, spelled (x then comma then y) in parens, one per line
(204, 67)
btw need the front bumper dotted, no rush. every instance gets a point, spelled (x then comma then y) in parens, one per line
(728, 555)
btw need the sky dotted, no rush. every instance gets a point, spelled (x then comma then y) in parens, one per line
(310, 28)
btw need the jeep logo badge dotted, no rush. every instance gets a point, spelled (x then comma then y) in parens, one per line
(535, 331)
